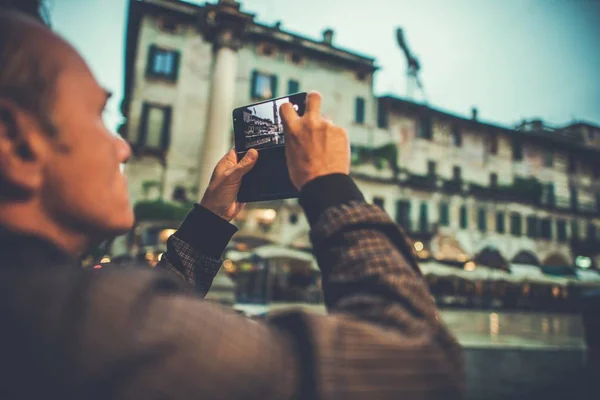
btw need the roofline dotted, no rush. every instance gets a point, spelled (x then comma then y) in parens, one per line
(180, 7)
(539, 136)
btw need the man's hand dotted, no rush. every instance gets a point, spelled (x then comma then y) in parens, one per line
(314, 146)
(221, 195)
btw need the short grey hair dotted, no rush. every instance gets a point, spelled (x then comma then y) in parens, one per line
(27, 75)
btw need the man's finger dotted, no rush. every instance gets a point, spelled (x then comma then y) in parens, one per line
(313, 103)
(289, 116)
(247, 162)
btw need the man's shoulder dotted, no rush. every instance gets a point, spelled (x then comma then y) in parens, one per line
(53, 290)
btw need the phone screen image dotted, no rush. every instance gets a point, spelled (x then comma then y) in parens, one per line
(259, 126)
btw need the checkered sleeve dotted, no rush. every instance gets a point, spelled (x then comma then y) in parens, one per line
(197, 269)
(388, 328)
(194, 251)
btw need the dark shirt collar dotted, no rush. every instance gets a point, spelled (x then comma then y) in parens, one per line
(23, 250)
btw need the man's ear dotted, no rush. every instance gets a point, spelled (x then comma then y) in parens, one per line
(23, 149)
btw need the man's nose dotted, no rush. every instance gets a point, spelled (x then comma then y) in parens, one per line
(123, 150)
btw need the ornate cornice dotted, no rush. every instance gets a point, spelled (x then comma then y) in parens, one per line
(224, 24)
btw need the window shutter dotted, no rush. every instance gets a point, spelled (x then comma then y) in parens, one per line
(143, 130)
(423, 218)
(166, 129)
(293, 86)
(274, 85)
(359, 112)
(253, 93)
(463, 217)
(176, 62)
(150, 61)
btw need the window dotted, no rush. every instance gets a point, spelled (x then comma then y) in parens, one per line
(296, 59)
(403, 214)
(382, 115)
(500, 225)
(263, 86)
(378, 201)
(517, 150)
(456, 174)
(424, 129)
(574, 198)
(574, 229)
(359, 110)
(162, 63)
(493, 180)
(431, 168)
(482, 220)
(561, 230)
(493, 144)
(444, 214)
(167, 25)
(155, 127)
(548, 159)
(361, 75)
(456, 136)
(592, 233)
(546, 228)
(532, 227)
(293, 218)
(516, 224)
(293, 86)
(423, 218)
(548, 197)
(464, 218)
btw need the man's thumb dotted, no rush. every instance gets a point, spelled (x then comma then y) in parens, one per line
(248, 162)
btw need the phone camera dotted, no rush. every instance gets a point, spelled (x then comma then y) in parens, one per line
(296, 107)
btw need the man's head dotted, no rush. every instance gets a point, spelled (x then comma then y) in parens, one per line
(59, 164)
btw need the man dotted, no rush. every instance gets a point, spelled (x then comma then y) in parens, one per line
(70, 333)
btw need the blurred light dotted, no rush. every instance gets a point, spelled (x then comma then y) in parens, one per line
(494, 324)
(470, 266)
(241, 246)
(228, 265)
(555, 291)
(105, 260)
(419, 246)
(583, 262)
(160, 256)
(266, 215)
(149, 256)
(462, 257)
(97, 266)
(165, 234)
(545, 325)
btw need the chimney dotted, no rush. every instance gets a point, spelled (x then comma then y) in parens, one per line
(277, 25)
(537, 125)
(474, 113)
(328, 36)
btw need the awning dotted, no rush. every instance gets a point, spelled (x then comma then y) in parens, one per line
(587, 275)
(438, 269)
(533, 274)
(273, 252)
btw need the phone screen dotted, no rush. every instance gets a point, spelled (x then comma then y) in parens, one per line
(259, 126)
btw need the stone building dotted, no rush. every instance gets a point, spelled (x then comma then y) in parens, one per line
(462, 188)
(188, 66)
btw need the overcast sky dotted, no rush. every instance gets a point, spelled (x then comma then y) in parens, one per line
(512, 59)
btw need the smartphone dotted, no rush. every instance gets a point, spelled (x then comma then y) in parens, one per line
(259, 126)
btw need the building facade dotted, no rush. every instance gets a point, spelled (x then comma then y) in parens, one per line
(459, 186)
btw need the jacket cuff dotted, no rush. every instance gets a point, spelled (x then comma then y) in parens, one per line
(206, 232)
(328, 191)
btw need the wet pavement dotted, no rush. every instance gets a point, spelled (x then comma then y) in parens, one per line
(506, 329)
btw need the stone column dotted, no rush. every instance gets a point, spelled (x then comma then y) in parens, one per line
(223, 24)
